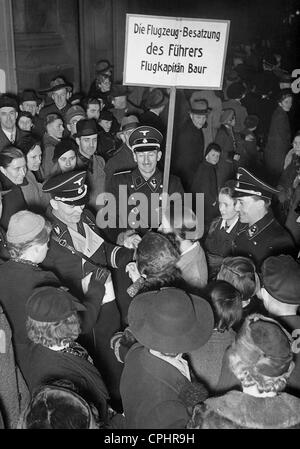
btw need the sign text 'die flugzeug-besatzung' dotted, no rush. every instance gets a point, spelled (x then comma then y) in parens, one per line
(169, 51)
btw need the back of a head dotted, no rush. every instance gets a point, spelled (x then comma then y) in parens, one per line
(240, 272)
(156, 254)
(226, 303)
(56, 407)
(262, 354)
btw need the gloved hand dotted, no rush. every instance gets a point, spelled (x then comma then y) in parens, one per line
(97, 280)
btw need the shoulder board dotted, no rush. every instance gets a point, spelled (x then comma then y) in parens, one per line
(122, 172)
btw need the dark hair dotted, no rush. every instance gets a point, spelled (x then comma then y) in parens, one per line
(212, 146)
(240, 272)
(50, 118)
(90, 100)
(8, 154)
(55, 406)
(25, 114)
(226, 303)
(284, 93)
(28, 143)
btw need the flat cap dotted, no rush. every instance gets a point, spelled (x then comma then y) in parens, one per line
(73, 111)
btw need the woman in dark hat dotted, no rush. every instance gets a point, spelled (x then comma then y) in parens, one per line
(279, 138)
(53, 325)
(64, 156)
(156, 386)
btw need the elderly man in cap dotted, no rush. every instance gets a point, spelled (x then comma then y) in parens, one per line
(87, 140)
(156, 385)
(280, 278)
(60, 92)
(123, 157)
(73, 115)
(262, 235)
(9, 133)
(188, 149)
(146, 179)
(76, 251)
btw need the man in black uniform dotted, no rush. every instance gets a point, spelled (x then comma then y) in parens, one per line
(138, 193)
(262, 235)
(76, 251)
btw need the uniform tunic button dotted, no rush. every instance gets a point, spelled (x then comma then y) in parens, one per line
(255, 243)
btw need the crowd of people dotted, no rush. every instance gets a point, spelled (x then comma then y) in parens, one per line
(120, 311)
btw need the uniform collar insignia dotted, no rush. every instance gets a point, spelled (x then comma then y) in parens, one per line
(252, 230)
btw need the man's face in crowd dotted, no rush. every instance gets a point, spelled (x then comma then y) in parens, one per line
(67, 213)
(25, 123)
(29, 106)
(16, 170)
(8, 117)
(34, 158)
(87, 145)
(249, 209)
(286, 104)
(93, 111)
(198, 120)
(104, 81)
(60, 97)
(147, 161)
(56, 129)
(296, 145)
(120, 102)
(72, 126)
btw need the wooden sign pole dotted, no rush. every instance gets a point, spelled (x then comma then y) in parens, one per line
(168, 146)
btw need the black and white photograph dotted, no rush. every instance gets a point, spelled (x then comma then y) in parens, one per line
(149, 217)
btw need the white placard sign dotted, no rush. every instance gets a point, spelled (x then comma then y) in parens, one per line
(172, 51)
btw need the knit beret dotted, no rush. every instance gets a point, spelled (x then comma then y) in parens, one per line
(24, 226)
(66, 144)
(281, 278)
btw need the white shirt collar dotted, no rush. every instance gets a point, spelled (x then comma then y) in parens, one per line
(10, 133)
(228, 230)
(178, 362)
